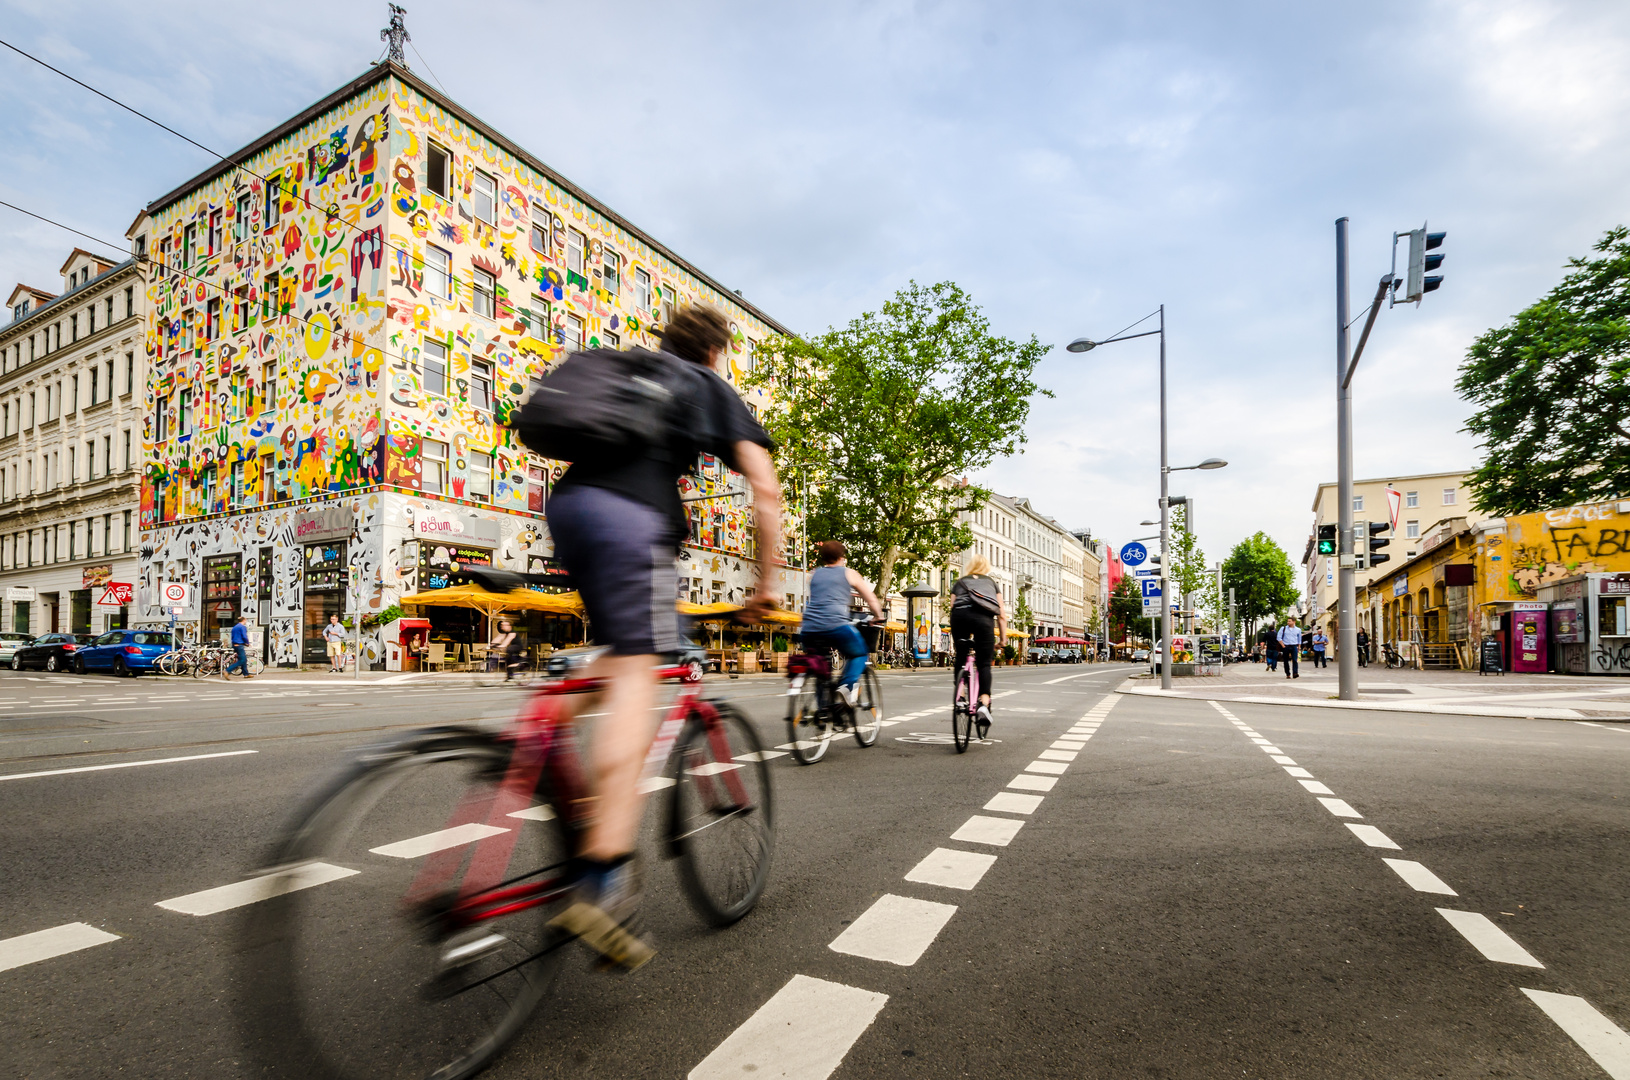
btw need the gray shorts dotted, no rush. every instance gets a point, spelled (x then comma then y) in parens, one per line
(621, 558)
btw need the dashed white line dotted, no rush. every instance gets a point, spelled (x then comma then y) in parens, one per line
(1605, 1042)
(1297, 770)
(543, 812)
(802, 1033)
(1058, 755)
(48, 944)
(895, 929)
(440, 840)
(1011, 802)
(1315, 787)
(254, 890)
(951, 868)
(1068, 744)
(1033, 783)
(1281, 759)
(126, 764)
(1495, 944)
(998, 832)
(1419, 878)
(1340, 807)
(1372, 836)
(1055, 768)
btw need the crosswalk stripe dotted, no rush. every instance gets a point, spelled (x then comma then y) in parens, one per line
(440, 840)
(802, 1033)
(895, 929)
(1495, 944)
(256, 889)
(951, 868)
(47, 944)
(979, 829)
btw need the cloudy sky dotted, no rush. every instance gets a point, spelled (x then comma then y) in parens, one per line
(1072, 165)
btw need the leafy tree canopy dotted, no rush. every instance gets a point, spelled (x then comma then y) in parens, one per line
(884, 414)
(1126, 606)
(1552, 392)
(1262, 577)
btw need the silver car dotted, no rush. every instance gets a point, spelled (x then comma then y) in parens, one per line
(10, 643)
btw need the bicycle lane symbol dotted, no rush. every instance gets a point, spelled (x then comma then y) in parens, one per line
(937, 738)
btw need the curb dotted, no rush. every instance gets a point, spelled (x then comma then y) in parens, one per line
(1506, 712)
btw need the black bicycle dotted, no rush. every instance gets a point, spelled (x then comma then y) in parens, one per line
(816, 713)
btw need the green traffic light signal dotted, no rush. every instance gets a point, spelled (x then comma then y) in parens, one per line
(1327, 539)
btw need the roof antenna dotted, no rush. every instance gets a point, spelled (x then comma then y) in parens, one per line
(396, 35)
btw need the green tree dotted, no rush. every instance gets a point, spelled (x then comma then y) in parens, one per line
(1023, 617)
(1553, 392)
(884, 415)
(1262, 577)
(1126, 607)
(1190, 575)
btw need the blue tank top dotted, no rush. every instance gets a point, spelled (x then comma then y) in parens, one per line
(829, 593)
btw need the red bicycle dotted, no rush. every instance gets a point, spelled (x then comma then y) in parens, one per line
(453, 844)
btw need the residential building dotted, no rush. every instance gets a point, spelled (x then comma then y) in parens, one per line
(1424, 501)
(1038, 552)
(1072, 579)
(341, 317)
(71, 367)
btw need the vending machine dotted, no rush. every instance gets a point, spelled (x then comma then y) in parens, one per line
(1529, 651)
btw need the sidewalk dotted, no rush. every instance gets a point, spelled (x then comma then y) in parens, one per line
(1459, 693)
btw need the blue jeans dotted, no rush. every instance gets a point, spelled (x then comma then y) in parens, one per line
(242, 662)
(847, 640)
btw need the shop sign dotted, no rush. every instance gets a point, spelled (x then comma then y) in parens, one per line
(117, 594)
(20, 592)
(1400, 585)
(1618, 585)
(94, 577)
(456, 528)
(316, 523)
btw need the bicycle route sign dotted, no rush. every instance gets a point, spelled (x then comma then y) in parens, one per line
(1134, 554)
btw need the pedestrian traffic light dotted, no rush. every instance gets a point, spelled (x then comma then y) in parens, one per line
(1327, 539)
(1417, 280)
(1367, 545)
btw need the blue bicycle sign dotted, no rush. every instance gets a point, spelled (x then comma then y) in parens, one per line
(1134, 554)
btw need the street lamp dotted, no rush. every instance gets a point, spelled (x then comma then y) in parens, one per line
(1081, 345)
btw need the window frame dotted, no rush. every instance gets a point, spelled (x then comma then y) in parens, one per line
(438, 359)
(433, 451)
(490, 195)
(642, 289)
(483, 293)
(445, 270)
(481, 375)
(432, 151)
(577, 252)
(1412, 499)
(546, 227)
(242, 209)
(1451, 496)
(480, 465)
(273, 202)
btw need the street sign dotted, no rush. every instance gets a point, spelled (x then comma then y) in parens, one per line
(1151, 607)
(117, 594)
(1151, 588)
(1134, 554)
(1146, 571)
(176, 594)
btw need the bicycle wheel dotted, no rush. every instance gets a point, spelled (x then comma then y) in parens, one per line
(360, 969)
(962, 712)
(721, 815)
(204, 665)
(809, 719)
(256, 665)
(868, 708)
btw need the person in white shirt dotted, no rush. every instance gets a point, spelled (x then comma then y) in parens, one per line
(1290, 649)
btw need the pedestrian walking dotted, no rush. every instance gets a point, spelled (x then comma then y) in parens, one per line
(1270, 649)
(240, 646)
(1290, 647)
(1320, 644)
(1363, 649)
(334, 636)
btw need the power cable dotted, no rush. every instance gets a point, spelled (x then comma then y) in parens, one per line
(426, 64)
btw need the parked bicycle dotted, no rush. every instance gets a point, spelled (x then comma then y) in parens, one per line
(455, 842)
(1389, 651)
(815, 711)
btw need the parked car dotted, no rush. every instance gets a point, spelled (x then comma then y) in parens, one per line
(1041, 654)
(53, 652)
(123, 652)
(10, 643)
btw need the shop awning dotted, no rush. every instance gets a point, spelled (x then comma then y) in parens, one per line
(491, 603)
(726, 613)
(1017, 633)
(895, 627)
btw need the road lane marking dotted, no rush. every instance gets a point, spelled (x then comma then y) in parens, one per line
(1297, 770)
(763, 755)
(440, 840)
(1605, 1042)
(1495, 944)
(1033, 783)
(542, 812)
(1260, 741)
(1011, 802)
(1272, 750)
(1067, 678)
(998, 832)
(1340, 808)
(802, 1033)
(1055, 768)
(1058, 755)
(654, 783)
(1315, 787)
(1005, 693)
(895, 930)
(126, 764)
(1372, 836)
(1282, 759)
(1419, 878)
(1068, 744)
(951, 868)
(256, 889)
(57, 941)
(713, 768)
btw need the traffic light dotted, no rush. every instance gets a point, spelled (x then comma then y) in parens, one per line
(1327, 539)
(1418, 280)
(1367, 546)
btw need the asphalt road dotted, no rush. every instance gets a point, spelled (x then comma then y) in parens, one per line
(1178, 904)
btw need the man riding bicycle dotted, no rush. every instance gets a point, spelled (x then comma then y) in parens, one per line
(617, 526)
(826, 614)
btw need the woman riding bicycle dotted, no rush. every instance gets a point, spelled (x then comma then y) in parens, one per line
(826, 615)
(978, 616)
(505, 650)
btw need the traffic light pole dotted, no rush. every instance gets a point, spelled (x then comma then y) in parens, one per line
(1346, 626)
(1165, 536)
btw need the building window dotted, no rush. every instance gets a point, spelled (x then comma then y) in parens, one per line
(484, 194)
(480, 476)
(1358, 504)
(125, 544)
(1448, 496)
(573, 339)
(161, 420)
(109, 319)
(126, 434)
(130, 302)
(642, 289)
(189, 244)
(537, 481)
(540, 321)
(269, 289)
(612, 341)
(481, 385)
(1412, 529)
(268, 387)
(215, 237)
(540, 231)
(212, 319)
(96, 379)
(576, 243)
(1412, 498)
(130, 373)
(184, 414)
(438, 171)
(240, 308)
(433, 362)
(240, 217)
(90, 321)
(73, 328)
(237, 483)
(433, 474)
(486, 287)
(73, 399)
(274, 201)
(611, 271)
(438, 276)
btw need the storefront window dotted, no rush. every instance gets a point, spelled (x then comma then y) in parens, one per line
(1611, 616)
(439, 564)
(324, 581)
(223, 585)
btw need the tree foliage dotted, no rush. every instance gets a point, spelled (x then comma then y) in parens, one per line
(884, 414)
(1262, 577)
(1125, 606)
(1190, 575)
(1552, 392)
(1023, 617)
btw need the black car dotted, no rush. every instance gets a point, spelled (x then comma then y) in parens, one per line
(52, 652)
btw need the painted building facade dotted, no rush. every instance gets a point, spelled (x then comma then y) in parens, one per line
(72, 366)
(338, 331)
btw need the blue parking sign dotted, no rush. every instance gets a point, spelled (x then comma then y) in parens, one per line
(1151, 587)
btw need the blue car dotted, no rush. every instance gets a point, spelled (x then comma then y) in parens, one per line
(123, 652)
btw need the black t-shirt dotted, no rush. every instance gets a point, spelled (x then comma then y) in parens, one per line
(654, 480)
